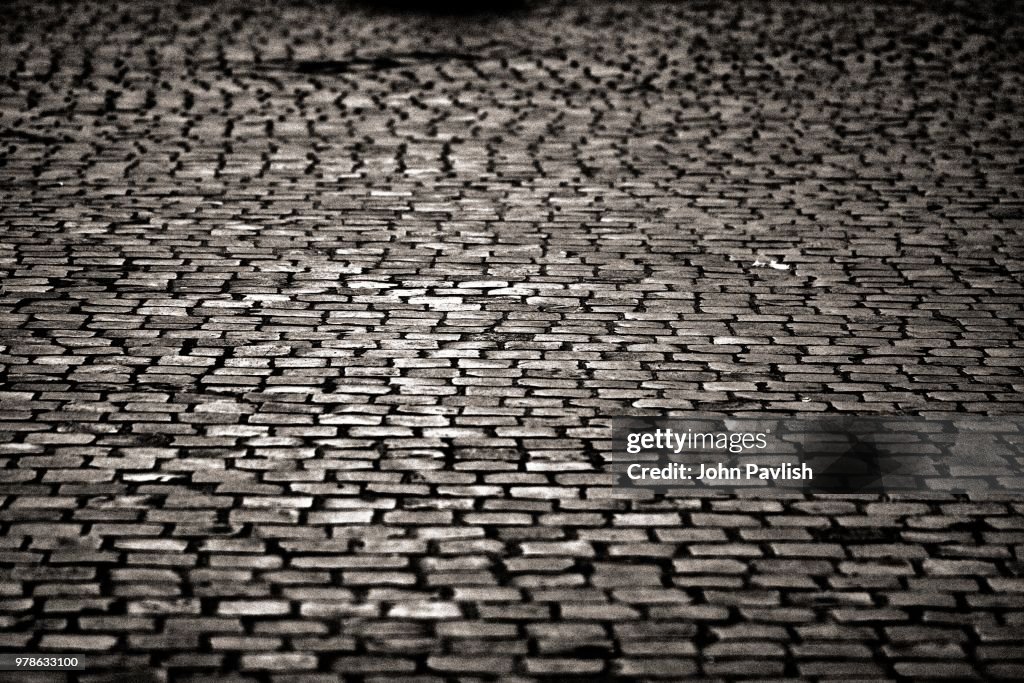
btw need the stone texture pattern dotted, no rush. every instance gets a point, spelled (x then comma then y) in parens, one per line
(314, 317)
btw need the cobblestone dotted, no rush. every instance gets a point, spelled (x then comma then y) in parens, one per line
(314, 316)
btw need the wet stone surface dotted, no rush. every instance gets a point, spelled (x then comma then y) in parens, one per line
(314, 317)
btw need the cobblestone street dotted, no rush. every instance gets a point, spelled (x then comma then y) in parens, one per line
(314, 318)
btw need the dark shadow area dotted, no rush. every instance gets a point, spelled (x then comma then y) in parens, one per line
(378, 63)
(856, 467)
(448, 8)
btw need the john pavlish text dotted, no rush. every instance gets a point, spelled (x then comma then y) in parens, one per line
(718, 471)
